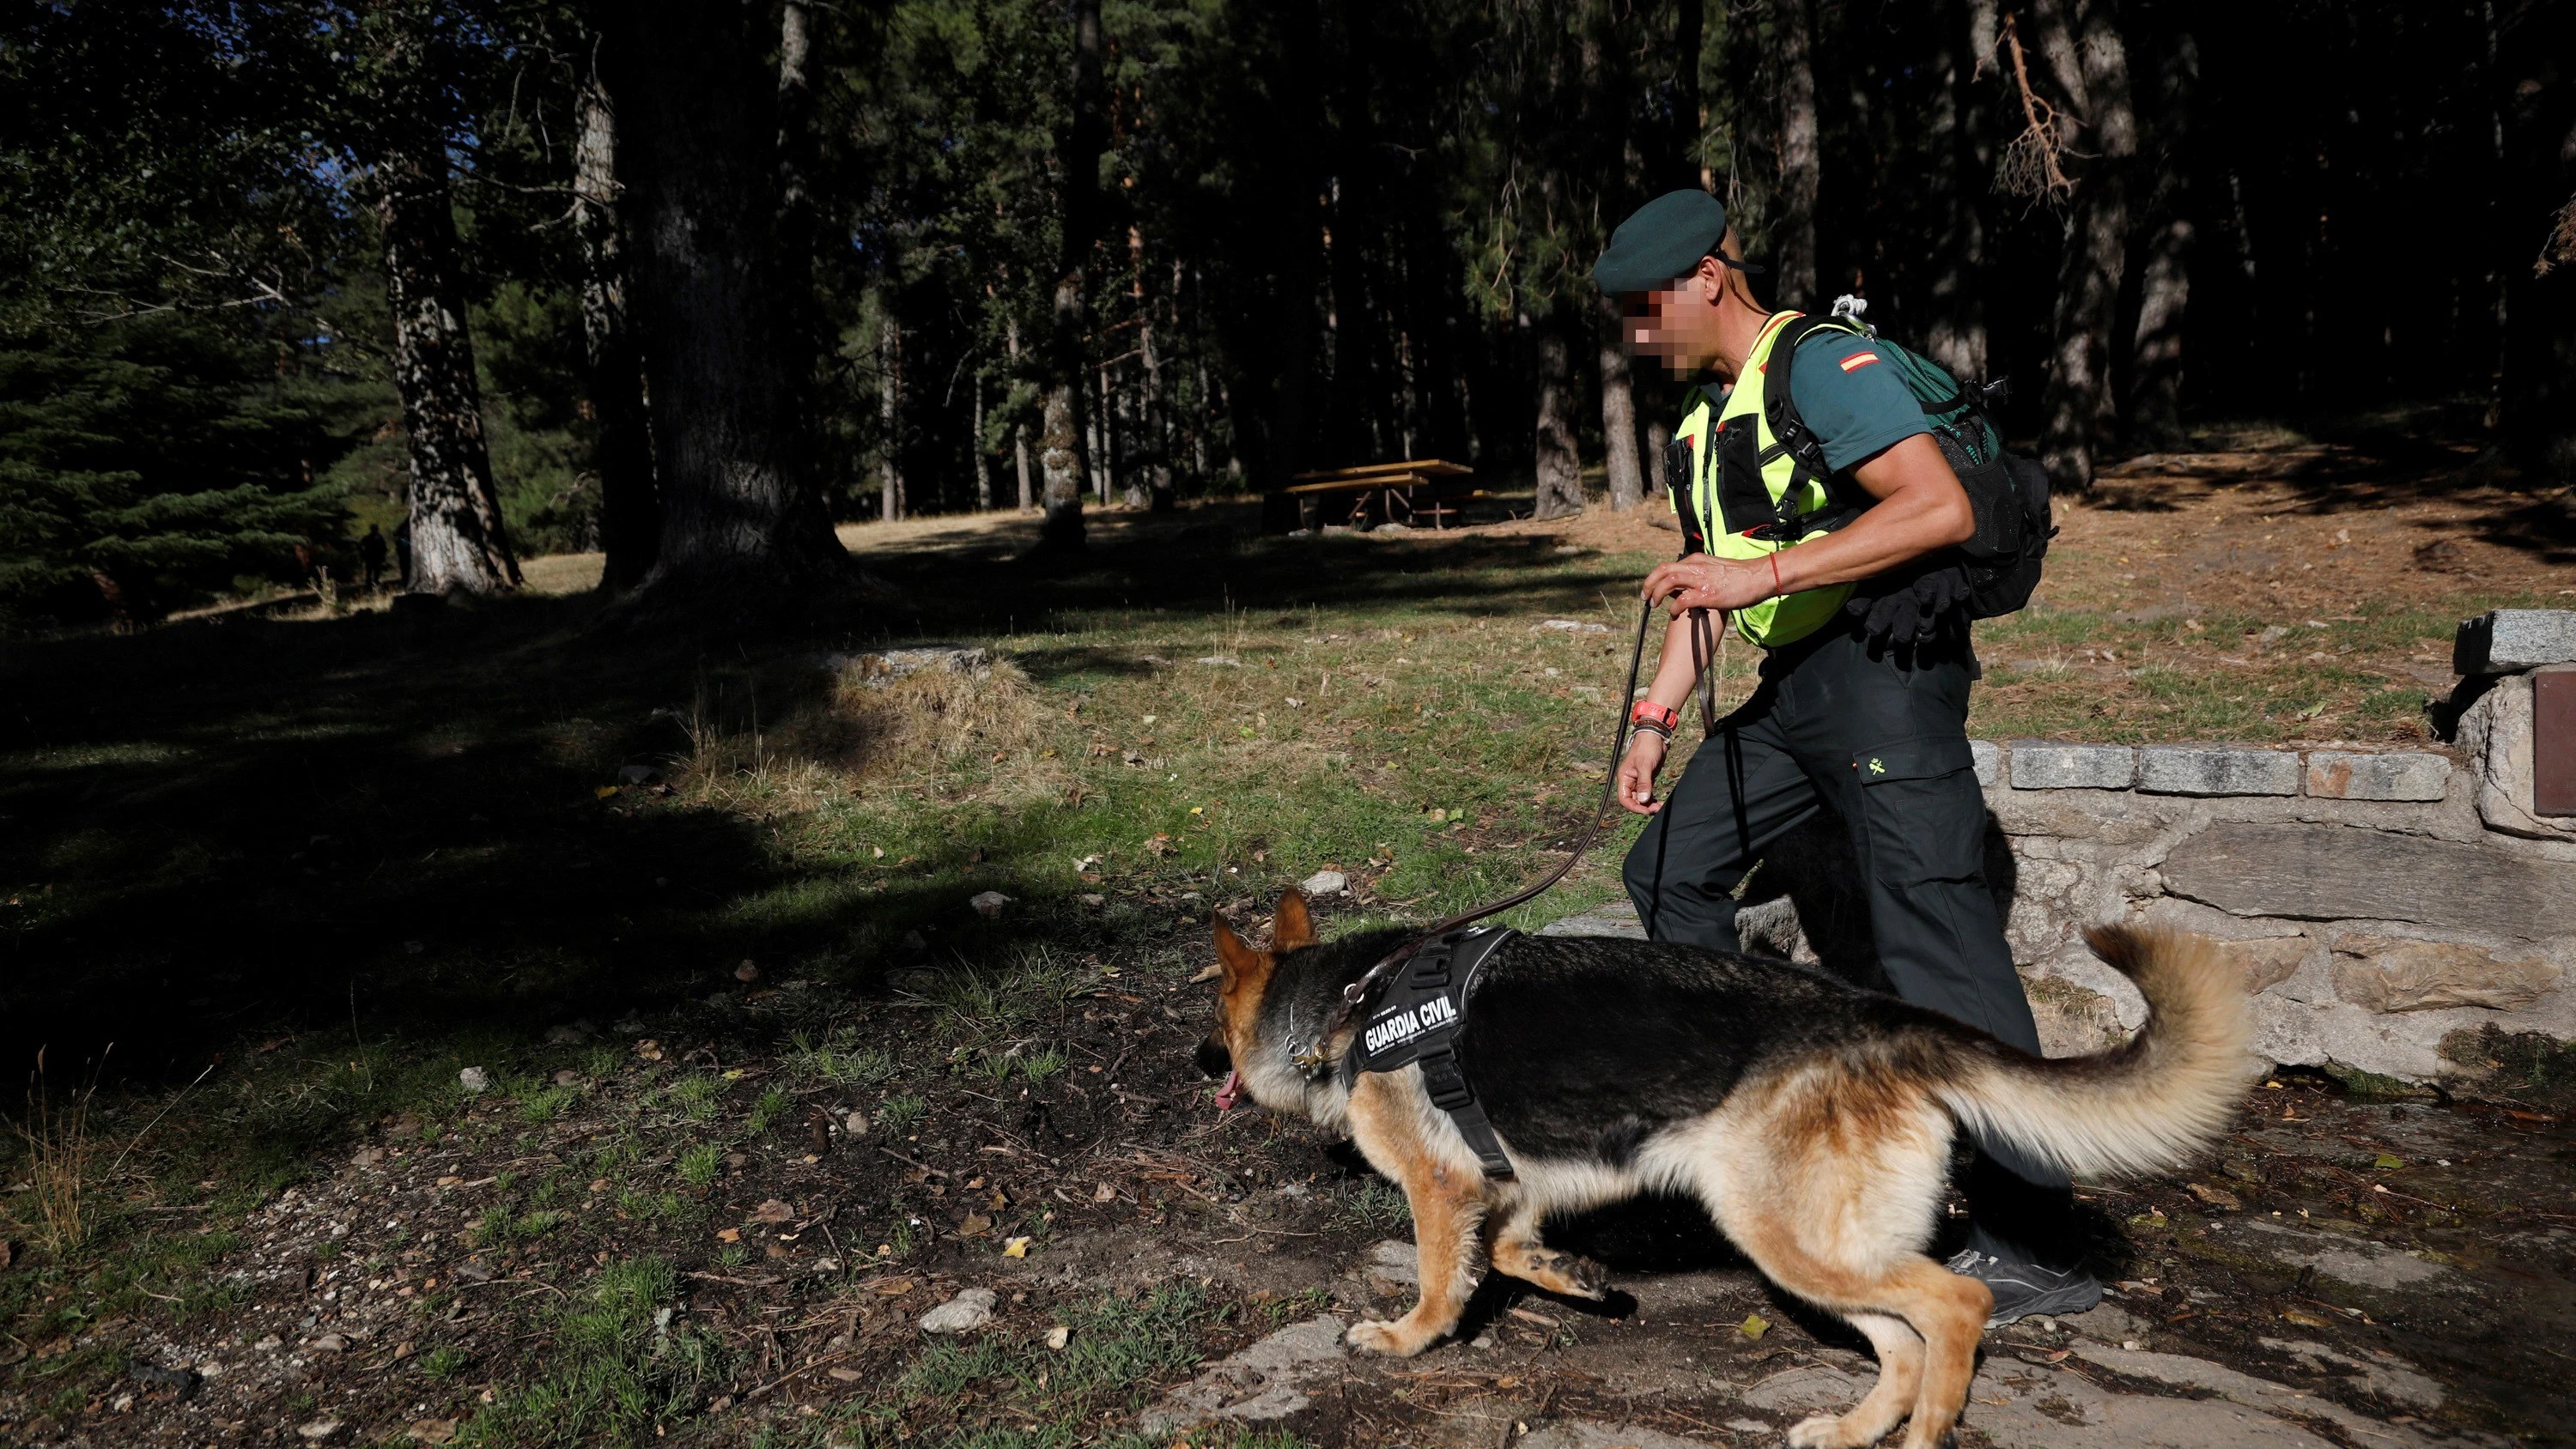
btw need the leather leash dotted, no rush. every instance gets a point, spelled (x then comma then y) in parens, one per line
(1358, 991)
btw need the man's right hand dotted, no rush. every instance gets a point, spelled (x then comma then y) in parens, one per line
(1637, 773)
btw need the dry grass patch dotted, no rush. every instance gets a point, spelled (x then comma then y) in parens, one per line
(925, 730)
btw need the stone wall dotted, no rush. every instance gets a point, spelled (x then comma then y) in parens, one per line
(2378, 901)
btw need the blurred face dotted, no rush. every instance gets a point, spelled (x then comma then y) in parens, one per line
(1677, 325)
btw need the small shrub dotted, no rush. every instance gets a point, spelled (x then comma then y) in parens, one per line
(698, 1097)
(546, 1104)
(899, 1114)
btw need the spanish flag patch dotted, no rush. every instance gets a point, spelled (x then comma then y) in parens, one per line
(1858, 360)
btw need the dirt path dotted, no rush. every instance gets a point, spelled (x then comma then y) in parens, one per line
(2347, 1272)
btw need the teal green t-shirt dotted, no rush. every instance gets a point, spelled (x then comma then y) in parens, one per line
(1853, 396)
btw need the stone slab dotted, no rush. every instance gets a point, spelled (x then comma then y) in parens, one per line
(1586, 1434)
(2357, 1261)
(1990, 761)
(2217, 770)
(2230, 1386)
(2392, 775)
(2507, 641)
(1269, 1380)
(1610, 918)
(2037, 766)
(2065, 1411)
(2382, 973)
(2266, 961)
(2345, 873)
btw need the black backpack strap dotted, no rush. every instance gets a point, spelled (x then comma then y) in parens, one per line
(1686, 472)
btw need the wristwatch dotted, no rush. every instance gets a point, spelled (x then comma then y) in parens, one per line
(1645, 714)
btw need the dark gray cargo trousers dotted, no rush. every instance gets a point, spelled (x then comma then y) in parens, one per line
(1883, 739)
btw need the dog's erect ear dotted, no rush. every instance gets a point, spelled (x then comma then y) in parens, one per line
(1237, 962)
(1291, 927)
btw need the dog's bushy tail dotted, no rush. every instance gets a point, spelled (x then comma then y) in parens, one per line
(2143, 1107)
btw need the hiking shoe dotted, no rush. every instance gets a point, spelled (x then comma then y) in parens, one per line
(2026, 1290)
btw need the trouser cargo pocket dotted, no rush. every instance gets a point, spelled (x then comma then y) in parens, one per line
(1923, 812)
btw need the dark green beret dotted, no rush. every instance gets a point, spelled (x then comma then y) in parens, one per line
(1664, 239)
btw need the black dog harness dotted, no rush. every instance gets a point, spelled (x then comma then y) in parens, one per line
(1417, 1020)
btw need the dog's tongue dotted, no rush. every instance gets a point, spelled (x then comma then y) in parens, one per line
(1230, 1093)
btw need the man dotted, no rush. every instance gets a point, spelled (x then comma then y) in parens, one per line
(1868, 720)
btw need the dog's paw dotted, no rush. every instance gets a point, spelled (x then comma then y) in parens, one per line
(1589, 1278)
(1395, 1340)
(1567, 1274)
(1824, 1431)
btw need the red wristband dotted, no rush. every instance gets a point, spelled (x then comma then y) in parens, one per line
(1776, 589)
(1646, 711)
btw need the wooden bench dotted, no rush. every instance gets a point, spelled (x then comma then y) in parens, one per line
(1404, 492)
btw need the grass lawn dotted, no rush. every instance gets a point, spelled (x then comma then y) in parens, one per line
(301, 872)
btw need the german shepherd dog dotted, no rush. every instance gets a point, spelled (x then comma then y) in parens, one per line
(1813, 1120)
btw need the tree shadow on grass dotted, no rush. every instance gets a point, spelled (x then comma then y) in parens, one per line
(241, 826)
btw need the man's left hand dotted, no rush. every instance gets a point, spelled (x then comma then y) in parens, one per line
(1702, 582)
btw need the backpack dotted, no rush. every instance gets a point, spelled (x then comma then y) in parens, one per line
(2007, 492)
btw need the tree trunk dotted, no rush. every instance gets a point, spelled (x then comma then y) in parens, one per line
(1560, 468)
(1078, 166)
(2093, 68)
(2164, 286)
(630, 517)
(1618, 415)
(741, 520)
(1800, 154)
(458, 541)
(983, 461)
(890, 416)
(1955, 335)
(2537, 400)
(1689, 27)
(1019, 428)
(1659, 436)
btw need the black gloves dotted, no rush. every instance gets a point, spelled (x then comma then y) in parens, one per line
(1910, 613)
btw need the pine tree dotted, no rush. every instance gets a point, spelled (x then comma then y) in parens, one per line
(155, 463)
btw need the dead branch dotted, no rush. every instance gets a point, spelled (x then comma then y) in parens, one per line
(2561, 246)
(2030, 165)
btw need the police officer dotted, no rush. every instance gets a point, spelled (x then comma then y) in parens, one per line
(1863, 698)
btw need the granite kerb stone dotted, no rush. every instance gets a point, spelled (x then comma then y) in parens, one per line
(2038, 765)
(2217, 770)
(2508, 641)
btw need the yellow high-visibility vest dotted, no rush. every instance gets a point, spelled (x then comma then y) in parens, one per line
(1746, 496)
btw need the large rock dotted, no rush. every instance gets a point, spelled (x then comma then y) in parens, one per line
(2392, 775)
(2217, 770)
(2496, 731)
(2502, 641)
(2336, 873)
(2384, 973)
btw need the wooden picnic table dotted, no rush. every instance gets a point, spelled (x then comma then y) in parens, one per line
(1406, 491)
